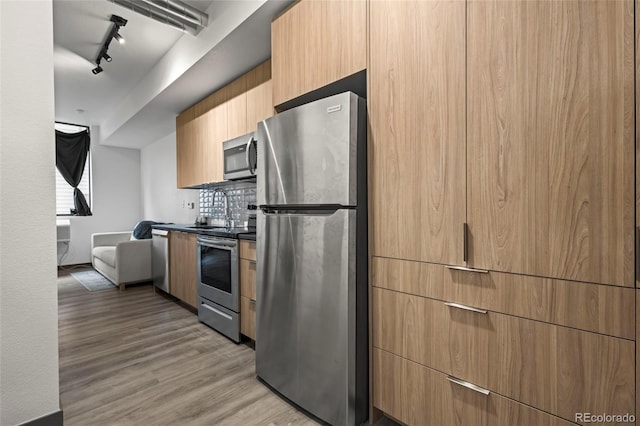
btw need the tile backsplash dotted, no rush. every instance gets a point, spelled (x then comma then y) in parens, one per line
(239, 195)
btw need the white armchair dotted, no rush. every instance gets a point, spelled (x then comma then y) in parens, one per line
(121, 259)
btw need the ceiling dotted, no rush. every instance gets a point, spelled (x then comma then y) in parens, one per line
(158, 71)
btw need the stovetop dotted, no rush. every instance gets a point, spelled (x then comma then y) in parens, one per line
(216, 231)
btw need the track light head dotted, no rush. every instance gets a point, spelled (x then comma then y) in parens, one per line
(118, 20)
(118, 37)
(106, 57)
(97, 70)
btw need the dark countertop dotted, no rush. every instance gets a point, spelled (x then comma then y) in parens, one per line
(238, 233)
(250, 236)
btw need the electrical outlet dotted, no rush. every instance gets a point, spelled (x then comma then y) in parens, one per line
(191, 205)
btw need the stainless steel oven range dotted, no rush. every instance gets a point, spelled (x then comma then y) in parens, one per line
(219, 285)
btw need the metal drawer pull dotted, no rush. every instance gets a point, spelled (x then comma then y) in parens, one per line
(464, 268)
(465, 307)
(214, 310)
(468, 385)
(252, 301)
(252, 261)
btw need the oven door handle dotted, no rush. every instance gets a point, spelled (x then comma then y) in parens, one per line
(221, 246)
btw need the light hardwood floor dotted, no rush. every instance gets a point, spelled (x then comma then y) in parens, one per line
(139, 358)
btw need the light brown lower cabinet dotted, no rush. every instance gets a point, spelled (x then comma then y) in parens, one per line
(248, 288)
(591, 307)
(248, 317)
(418, 395)
(183, 266)
(557, 369)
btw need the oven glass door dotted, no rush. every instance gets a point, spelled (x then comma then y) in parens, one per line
(218, 273)
(215, 268)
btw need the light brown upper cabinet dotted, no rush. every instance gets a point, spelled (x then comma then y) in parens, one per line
(550, 148)
(186, 151)
(227, 113)
(417, 136)
(315, 43)
(237, 108)
(259, 95)
(215, 133)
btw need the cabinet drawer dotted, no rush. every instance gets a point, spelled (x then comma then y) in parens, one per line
(248, 250)
(417, 395)
(248, 317)
(556, 369)
(600, 308)
(248, 278)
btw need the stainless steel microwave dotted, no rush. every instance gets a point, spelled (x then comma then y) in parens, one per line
(240, 157)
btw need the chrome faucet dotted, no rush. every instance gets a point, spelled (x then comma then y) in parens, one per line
(227, 214)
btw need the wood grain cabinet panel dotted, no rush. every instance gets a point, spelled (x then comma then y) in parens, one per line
(183, 267)
(259, 95)
(248, 288)
(417, 129)
(186, 150)
(248, 250)
(417, 395)
(315, 43)
(259, 104)
(214, 122)
(248, 278)
(550, 170)
(593, 307)
(557, 369)
(237, 116)
(248, 317)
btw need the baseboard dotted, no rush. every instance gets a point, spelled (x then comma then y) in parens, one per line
(53, 419)
(74, 266)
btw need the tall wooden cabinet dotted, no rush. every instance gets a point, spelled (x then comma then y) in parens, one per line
(314, 43)
(417, 129)
(502, 210)
(550, 107)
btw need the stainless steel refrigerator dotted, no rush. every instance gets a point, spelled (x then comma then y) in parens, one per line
(311, 319)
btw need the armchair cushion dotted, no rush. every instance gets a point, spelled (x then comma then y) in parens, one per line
(106, 253)
(120, 258)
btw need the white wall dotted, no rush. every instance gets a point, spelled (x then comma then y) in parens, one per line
(28, 293)
(162, 201)
(116, 195)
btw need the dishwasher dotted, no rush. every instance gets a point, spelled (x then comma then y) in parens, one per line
(160, 258)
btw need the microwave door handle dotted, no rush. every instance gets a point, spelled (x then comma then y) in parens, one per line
(252, 170)
(252, 141)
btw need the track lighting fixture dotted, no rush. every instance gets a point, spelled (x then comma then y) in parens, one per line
(118, 22)
(174, 13)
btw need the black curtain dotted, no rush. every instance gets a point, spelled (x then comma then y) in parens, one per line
(71, 156)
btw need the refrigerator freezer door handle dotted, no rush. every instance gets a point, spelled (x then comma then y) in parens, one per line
(285, 213)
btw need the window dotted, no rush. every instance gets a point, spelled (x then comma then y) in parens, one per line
(64, 191)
